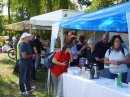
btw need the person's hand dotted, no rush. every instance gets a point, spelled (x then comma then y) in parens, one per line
(36, 56)
(97, 59)
(113, 62)
(33, 56)
(78, 52)
(63, 64)
(118, 62)
(70, 51)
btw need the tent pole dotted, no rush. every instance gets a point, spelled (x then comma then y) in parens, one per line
(62, 38)
(128, 25)
(30, 29)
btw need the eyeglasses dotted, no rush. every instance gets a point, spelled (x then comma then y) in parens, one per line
(117, 41)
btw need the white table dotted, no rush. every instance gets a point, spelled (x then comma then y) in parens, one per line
(75, 86)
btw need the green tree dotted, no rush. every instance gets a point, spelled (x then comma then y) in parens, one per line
(98, 4)
(84, 2)
(1, 16)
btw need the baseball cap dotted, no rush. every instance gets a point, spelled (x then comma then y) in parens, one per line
(25, 34)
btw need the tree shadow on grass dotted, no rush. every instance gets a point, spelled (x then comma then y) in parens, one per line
(7, 61)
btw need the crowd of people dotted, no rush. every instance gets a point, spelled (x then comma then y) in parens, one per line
(27, 50)
(111, 56)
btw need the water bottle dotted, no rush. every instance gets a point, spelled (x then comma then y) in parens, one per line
(119, 79)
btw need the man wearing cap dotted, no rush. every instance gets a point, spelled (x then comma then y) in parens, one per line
(24, 65)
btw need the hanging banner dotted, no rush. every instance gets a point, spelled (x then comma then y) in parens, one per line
(54, 34)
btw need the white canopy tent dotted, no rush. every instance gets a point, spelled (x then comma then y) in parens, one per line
(20, 26)
(48, 18)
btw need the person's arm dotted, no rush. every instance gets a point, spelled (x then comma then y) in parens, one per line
(71, 56)
(127, 56)
(42, 47)
(106, 61)
(35, 50)
(83, 48)
(127, 61)
(77, 53)
(25, 56)
(55, 61)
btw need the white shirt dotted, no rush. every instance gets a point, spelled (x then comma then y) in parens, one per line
(74, 50)
(118, 56)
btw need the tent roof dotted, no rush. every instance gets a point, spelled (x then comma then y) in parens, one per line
(107, 19)
(20, 26)
(48, 18)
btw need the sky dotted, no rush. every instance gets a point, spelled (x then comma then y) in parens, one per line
(5, 9)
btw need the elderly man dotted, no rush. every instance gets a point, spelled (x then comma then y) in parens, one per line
(104, 45)
(24, 65)
(15, 42)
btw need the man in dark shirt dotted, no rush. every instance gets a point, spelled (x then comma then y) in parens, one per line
(104, 45)
(34, 51)
(39, 48)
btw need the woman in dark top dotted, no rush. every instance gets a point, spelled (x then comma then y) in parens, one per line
(81, 46)
(94, 55)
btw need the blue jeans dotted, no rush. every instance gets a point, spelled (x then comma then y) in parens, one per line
(124, 76)
(37, 62)
(24, 78)
(33, 76)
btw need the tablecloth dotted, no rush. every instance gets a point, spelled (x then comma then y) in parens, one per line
(75, 86)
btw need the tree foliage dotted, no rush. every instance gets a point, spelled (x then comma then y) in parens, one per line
(98, 4)
(25, 9)
(84, 2)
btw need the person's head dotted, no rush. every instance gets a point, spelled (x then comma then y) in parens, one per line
(33, 35)
(105, 38)
(116, 41)
(66, 47)
(91, 43)
(38, 37)
(82, 38)
(18, 36)
(70, 34)
(73, 40)
(26, 37)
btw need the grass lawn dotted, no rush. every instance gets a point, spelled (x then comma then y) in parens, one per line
(9, 86)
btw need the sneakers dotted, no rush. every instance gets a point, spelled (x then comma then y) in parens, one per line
(32, 89)
(24, 93)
